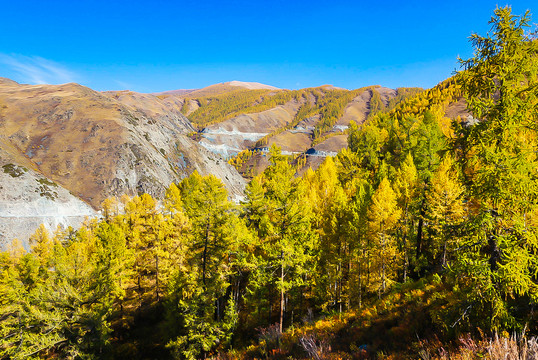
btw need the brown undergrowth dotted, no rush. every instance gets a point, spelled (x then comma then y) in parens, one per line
(400, 325)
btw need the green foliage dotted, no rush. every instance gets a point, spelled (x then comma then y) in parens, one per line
(241, 158)
(14, 170)
(56, 299)
(202, 298)
(331, 108)
(446, 209)
(500, 254)
(383, 215)
(376, 104)
(281, 216)
(401, 95)
(424, 226)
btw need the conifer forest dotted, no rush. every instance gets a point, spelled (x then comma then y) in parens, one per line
(417, 241)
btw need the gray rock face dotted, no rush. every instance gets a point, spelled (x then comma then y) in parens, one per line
(27, 200)
(158, 152)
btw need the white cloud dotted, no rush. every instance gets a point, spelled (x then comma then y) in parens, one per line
(36, 70)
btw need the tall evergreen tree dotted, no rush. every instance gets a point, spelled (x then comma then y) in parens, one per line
(445, 207)
(203, 301)
(285, 229)
(499, 265)
(383, 215)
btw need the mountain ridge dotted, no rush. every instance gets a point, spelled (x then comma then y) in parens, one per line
(97, 145)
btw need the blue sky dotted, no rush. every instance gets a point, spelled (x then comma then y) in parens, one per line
(151, 46)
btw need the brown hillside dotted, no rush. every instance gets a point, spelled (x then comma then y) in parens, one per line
(332, 144)
(101, 144)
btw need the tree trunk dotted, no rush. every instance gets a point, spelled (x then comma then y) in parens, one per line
(404, 244)
(360, 284)
(139, 295)
(383, 282)
(420, 227)
(204, 256)
(339, 290)
(445, 233)
(339, 277)
(348, 276)
(281, 291)
(368, 263)
(157, 276)
(444, 252)
(121, 300)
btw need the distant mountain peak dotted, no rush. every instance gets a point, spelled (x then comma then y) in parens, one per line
(4, 80)
(219, 88)
(250, 85)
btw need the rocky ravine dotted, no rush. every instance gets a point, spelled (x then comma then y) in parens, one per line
(92, 146)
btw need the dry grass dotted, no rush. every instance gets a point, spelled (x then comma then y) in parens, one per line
(316, 349)
(497, 348)
(357, 110)
(396, 327)
(335, 142)
(513, 348)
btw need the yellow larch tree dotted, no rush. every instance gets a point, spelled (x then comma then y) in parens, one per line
(383, 215)
(446, 207)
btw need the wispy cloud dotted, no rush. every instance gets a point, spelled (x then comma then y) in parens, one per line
(124, 85)
(36, 70)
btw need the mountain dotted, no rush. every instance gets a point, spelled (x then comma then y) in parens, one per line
(71, 144)
(66, 148)
(310, 122)
(217, 89)
(28, 199)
